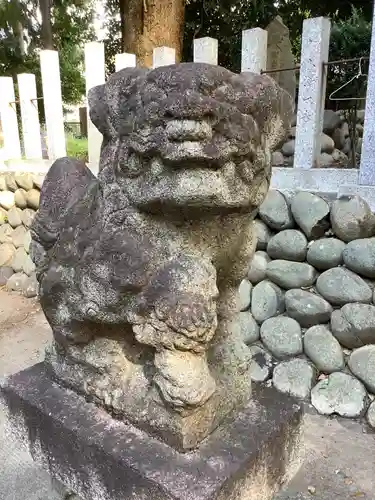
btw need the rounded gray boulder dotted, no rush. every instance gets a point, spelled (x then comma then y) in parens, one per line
(340, 286)
(323, 349)
(248, 329)
(289, 274)
(352, 219)
(275, 211)
(245, 294)
(341, 394)
(289, 244)
(267, 301)
(354, 325)
(295, 377)
(371, 415)
(282, 336)
(257, 271)
(261, 364)
(359, 256)
(362, 365)
(307, 308)
(311, 213)
(262, 233)
(325, 253)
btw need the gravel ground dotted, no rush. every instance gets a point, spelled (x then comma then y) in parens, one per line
(339, 459)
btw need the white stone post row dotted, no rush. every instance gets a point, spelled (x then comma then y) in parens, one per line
(163, 56)
(125, 60)
(254, 50)
(95, 75)
(312, 89)
(53, 107)
(367, 168)
(8, 117)
(29, 116)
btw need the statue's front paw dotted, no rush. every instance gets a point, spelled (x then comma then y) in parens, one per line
(183, 378)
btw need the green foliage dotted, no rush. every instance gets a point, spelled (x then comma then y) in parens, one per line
(350, 38)
(71, 26)
(77, 147)
(112, 43)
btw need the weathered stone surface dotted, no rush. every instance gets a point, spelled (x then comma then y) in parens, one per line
(16, 282)
(32, 198)
(359, 256)
(326, 144)
(311, 213)
(340, 286)
(289, 244)
(11, 182)
(307, 308)
(277, 159)
(245, 294)
(341, 394)
(261, 364)
(3, 216)
(289, 274)
(294, 377)
(20, 198)
(352, 219)
(6, 199)
(280, 55)
(28, 266)
(257, 271)
(275, 211)
(340, 158)
(323, 349)
(354, 325)
(325, 253)
(248, 328)
(136, 463)
(153, 251)
(262, 233)
(325, 160)
(6, 233)
(18, 236)
(267, 301)
(38, 181)
(26, 241)
(282, 336)
(3, 184)
(27, 217)
(289, 148)
(362, 364)
(371, 415)
(30, 286)
(19, 259)
(14, 217)
(331, 121)
(5, 273)
(24, 181)
(7, 251)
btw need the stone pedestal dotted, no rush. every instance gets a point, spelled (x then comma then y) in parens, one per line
(100, 458)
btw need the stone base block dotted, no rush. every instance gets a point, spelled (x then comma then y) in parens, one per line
(99, 458)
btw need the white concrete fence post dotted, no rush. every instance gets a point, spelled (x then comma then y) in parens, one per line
(312, 89)
(367, 167)
(206, 50)
(254, 50)
(53, 106)
(29, 116)
(8, 118)
(163, 56)
(95, 75)
(125, 60)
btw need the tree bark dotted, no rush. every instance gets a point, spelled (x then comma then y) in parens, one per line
(148, 24)
(45, 10)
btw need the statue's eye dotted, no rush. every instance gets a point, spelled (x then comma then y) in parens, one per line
(132, 166)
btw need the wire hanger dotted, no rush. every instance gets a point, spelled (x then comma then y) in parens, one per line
(360, 74)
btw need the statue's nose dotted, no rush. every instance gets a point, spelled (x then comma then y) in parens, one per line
(188, 130)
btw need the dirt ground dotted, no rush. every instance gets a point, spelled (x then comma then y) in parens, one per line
(339, 459)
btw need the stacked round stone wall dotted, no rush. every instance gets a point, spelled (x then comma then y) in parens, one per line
(335, 142)
(308, 302)
(19, 200)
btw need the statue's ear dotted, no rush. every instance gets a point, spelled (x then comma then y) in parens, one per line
(98, 109)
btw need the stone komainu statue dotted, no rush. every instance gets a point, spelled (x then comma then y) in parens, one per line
(139, 268)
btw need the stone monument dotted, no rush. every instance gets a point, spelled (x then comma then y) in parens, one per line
(280, 55)
(139, 272)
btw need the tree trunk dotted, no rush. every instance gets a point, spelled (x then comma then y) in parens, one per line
(45, 10)
(152, 23)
